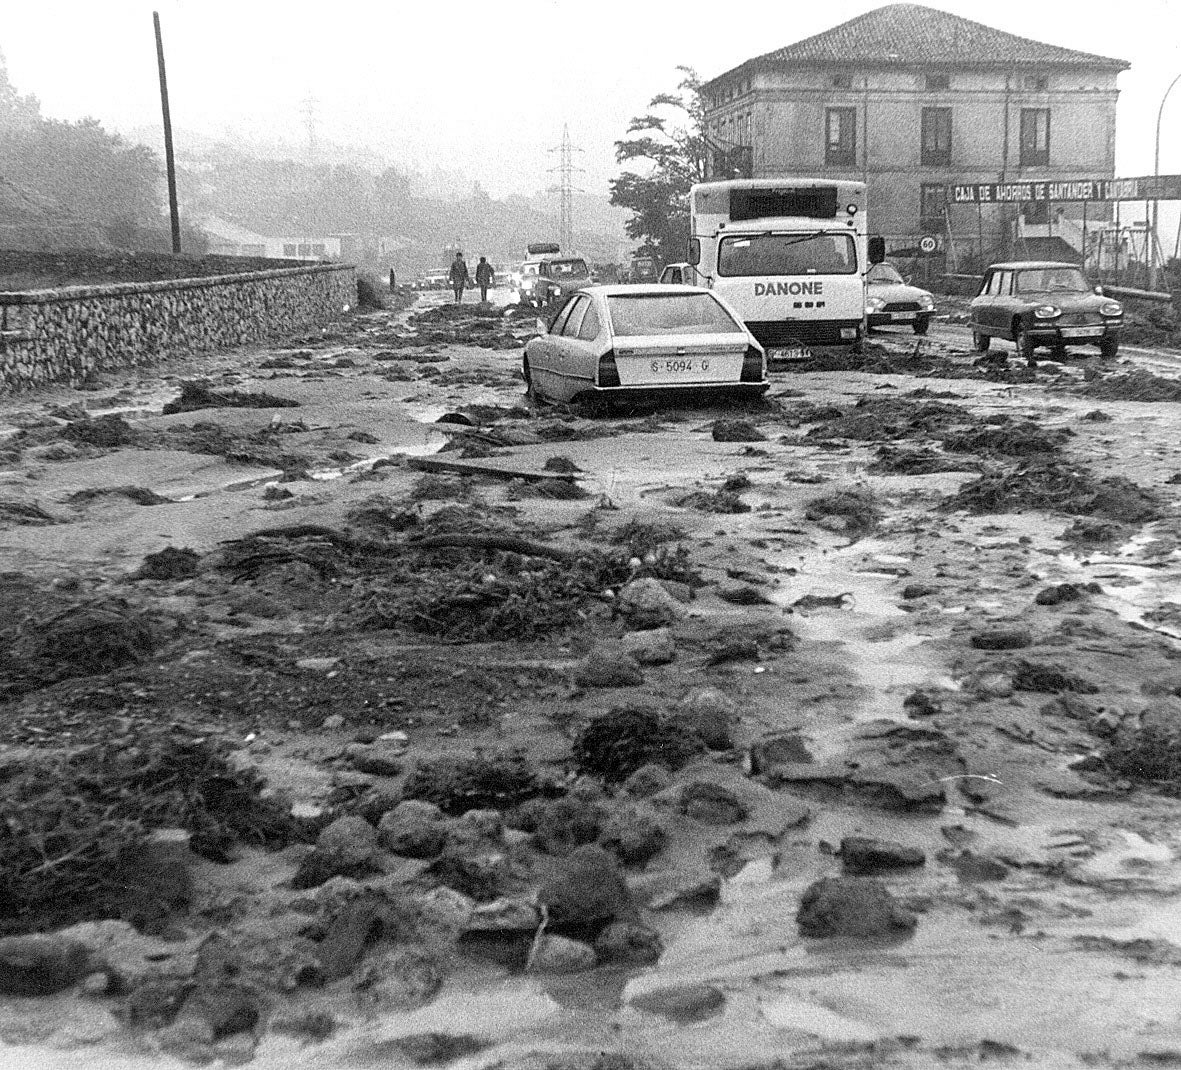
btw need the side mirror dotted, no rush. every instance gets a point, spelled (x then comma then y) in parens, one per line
(695, 251)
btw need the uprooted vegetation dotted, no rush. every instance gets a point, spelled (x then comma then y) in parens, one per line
(853, 510)
(1057, 486)
(196, 395)
(457, 784)
(1138, 385)
(616, 744)
(76, 825)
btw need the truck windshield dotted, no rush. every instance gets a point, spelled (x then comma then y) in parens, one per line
(671, 313)
(787, 254)
(568, 269)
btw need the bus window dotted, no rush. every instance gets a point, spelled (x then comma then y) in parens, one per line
(787, 254)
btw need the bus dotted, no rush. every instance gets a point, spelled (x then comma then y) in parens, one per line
(789, 254)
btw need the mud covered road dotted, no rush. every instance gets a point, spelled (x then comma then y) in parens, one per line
(843, 730)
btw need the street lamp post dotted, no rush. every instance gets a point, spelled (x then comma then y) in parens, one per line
(1156, 175)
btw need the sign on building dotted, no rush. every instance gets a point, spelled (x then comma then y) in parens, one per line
(1149, 188)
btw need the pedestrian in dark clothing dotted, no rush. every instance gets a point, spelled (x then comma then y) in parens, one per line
(484, 276)
(393, 281)
(459, 277)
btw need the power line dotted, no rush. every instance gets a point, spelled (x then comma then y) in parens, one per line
(566, 189)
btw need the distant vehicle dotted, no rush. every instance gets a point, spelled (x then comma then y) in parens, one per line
(1043, 303)
(641, 269)
(890, 298)
(681, 275)
(437, 279)
(553, 280)
(789, 254)
(633, 341)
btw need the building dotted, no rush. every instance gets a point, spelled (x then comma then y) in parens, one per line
(229, 239)
(911, 100)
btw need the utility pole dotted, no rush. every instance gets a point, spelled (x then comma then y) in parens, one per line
(309, 121)
(1156, 175)
(565, 189)
(169, 159)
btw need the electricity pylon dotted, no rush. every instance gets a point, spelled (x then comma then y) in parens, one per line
(566, 189)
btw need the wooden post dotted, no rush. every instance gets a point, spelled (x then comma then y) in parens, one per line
(1084, 236)
(169, 160)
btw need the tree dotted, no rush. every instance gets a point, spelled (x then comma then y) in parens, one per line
(671, 140)
(16, 112)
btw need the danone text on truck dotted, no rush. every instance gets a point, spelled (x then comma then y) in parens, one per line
(788, 254)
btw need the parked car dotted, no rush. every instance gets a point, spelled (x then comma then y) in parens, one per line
(553, 280)
(681, 275)
(1043, 303)
(629, 341)
(889, 298)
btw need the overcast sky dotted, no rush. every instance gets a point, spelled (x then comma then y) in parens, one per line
(486, 86)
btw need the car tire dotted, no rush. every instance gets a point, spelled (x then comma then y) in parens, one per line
(921, 324)
(1024, 344)
(1108, 348)
(980, 341)
(1059, 352)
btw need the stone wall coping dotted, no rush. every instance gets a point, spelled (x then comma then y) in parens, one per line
(118, 289)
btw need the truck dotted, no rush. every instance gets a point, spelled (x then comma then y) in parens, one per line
(789, 254)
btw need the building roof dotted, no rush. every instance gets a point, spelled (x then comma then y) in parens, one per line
(913, 34)
(230, 232)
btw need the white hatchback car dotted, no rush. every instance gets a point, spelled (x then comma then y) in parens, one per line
(621, 341)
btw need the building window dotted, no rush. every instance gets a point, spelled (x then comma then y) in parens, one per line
(289, 249)
(305, 249)
(932, 200)
(1035, 137)
(1036, 83)
(938, 81)
(317, 249)
(936, 148)
(840, 136)
(842, 81)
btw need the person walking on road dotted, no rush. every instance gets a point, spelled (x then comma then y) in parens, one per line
(484, 276)
(459, 277)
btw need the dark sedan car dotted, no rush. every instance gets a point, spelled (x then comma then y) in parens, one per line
(1042, 303)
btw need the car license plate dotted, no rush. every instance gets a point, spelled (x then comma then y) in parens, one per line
(1079, 332)
(901, 317)
(679, 366)
(790, 353)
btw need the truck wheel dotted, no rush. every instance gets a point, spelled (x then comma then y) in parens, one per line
(980, 342)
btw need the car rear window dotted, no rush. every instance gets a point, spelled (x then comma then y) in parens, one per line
(641, 314)
(568, 269)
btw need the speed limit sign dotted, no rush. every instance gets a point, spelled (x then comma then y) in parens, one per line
(927, 244)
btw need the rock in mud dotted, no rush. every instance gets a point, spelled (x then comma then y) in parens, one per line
(646, 604)
(655, 647)
(346, 848)
(972, 868)
(40, 965)
(711, 804)
(431, 1049)
(742, 594)
(885, 786)
(604, 667)
(682, 1003)
(1002, 639)
(852, 906)
(918, 590)
(349, 933)
(789, 749)
(922, 704)
(505, 915)
(1032, 676)
(632, 836)
(1066, 592)
(711, 714)
(863, 855)
(560, 954)
(170, 563)
(560, 825)
(736, 431)
(627, 943)
(414, 828)
(481, 874)
(376, 759)
(646, 781)
(585, 889)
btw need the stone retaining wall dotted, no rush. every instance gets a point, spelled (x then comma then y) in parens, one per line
(63, 335)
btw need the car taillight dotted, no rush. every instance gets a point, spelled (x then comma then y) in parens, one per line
(752, 366)
(608, 373)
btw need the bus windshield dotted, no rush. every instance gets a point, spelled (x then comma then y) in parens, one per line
(819, 253)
